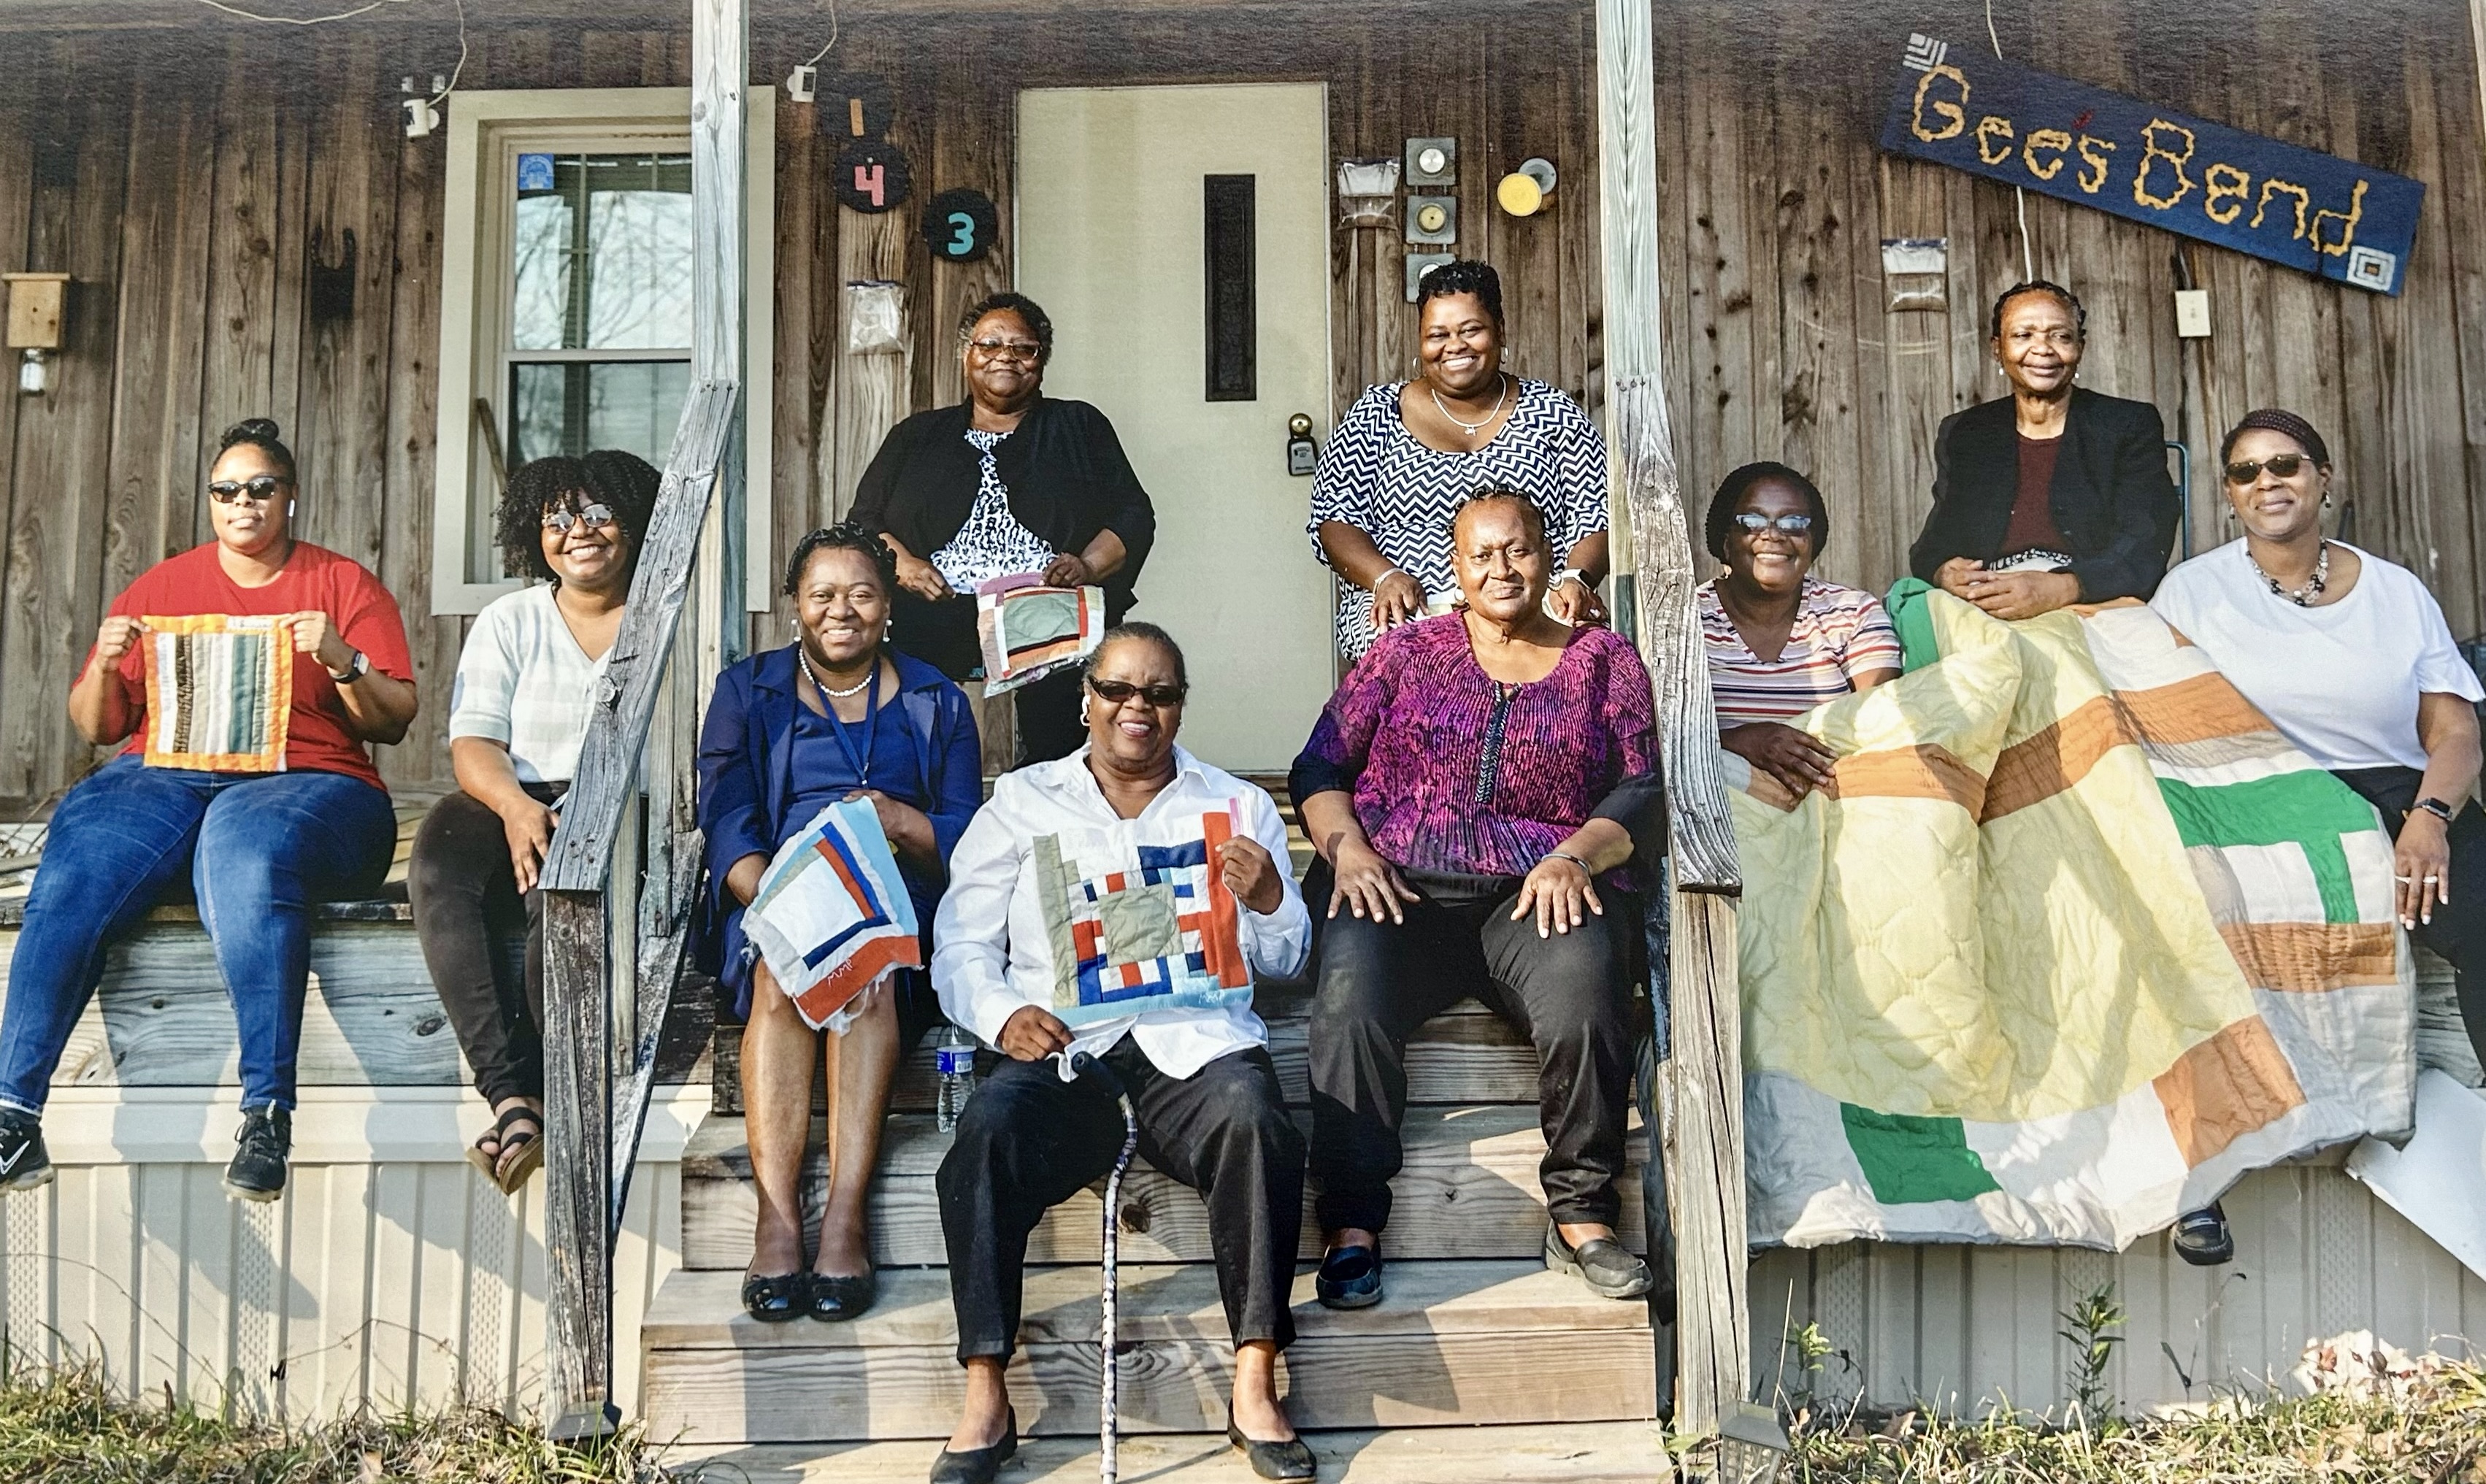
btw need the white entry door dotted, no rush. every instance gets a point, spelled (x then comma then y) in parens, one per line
(1178, 238)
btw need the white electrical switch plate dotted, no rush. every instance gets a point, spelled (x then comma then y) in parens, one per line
(2193, 312)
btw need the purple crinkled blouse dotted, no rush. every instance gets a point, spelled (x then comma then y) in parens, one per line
(1453, 771)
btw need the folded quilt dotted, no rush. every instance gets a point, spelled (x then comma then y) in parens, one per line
(1027, 630)
(2074, 940)
(832, 917)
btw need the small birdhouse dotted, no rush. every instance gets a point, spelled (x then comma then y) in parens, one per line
(35, 302)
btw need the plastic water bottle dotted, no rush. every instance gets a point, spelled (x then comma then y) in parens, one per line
(953, 1056)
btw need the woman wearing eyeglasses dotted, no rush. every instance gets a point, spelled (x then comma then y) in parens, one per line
(1781, 641)
(1009, 480)
(2055, 494)
(260, 804)
(2348, 655)
(1202, 1086)
(1477, 791)
(526, 686)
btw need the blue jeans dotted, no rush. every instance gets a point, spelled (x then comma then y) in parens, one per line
(258, 849)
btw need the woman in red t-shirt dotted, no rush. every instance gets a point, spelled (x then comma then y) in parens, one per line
(248, 770)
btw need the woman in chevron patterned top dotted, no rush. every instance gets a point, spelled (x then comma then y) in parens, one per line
(251, 676)
(1408, 454)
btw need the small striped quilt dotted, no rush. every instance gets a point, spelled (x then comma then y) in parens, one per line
(1028, 631)
(1137, 919)
(219, 692)
(2073, 941)
(832, 918)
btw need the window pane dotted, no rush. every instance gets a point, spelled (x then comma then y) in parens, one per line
(570, 407)
(602, 255)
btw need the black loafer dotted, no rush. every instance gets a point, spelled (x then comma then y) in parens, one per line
(1290, 1461)
(979, 1465)
(1349, 1277)
(836, 1297)
(776, 1299)
(2202, 1238)
(1604, 1264)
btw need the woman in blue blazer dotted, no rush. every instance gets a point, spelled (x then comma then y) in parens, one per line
(832, 715)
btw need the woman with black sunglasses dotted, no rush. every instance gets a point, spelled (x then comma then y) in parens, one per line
(526, 686)
(1781, 641)
(2348, 655)
(251, 676)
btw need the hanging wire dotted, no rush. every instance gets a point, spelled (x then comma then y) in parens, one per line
(360, 10)
(2027, 257)
(833, 36)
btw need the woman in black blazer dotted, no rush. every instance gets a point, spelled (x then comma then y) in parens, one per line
(2053, 495)
(1009, 481)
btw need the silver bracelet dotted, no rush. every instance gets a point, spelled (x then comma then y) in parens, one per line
(1385, 577)
(1586, 868)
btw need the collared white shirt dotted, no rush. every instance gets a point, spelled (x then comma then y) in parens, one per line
(990, 957)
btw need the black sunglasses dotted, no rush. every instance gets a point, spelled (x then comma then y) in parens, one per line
(2284, 465)
(1756, 522)
(258, 492)
(1116, 691)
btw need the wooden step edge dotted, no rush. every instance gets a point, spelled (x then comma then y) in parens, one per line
(1175, 1302)
(1510, 1453)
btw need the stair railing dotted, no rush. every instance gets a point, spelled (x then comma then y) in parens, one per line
(621, 879)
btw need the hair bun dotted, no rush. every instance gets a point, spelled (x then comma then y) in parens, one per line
(253, 431)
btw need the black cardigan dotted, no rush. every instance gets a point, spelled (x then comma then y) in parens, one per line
(2111, 496)
(1064, 470)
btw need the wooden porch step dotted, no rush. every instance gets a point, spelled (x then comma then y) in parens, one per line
(1464, 1054)
(1468, 1190)
(1454, 1344)
(1572, 1453)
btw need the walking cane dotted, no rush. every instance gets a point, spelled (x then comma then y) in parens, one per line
(1081, 1066)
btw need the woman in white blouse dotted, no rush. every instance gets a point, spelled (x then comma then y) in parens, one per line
(2350, 658)
(525, 685)
(1210, 1113)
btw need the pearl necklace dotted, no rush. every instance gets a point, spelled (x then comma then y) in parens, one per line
(2301, 597)
(1502, 382)
(855, 689)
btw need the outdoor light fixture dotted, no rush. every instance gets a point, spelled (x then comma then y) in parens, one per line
(1750, 1446)
(34, 305)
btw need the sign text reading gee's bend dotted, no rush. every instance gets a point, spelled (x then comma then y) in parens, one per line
(2309, 210)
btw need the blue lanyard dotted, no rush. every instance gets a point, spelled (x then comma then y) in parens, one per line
(870, 723)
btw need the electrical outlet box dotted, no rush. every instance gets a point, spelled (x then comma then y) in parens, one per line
(1432, 220)
(1433, 161)
(2193, 314)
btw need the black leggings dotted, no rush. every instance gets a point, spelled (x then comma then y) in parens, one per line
(2458, 931)
(465, 898)
(1377, 981)
(943, 635)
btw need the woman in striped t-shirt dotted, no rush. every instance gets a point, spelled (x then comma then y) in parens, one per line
(1782, 642)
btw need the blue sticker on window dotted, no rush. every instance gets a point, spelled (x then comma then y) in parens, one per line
(534, 171)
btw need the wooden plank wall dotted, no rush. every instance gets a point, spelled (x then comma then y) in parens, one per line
(187, 179)
(1775, 199)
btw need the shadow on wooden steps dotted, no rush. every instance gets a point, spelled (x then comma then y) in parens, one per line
(1455, 1344)
(1563, 1453)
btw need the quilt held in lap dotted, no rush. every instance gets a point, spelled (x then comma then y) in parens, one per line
(2074, 940)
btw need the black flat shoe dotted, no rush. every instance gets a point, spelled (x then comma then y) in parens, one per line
(2202, 1238)
(836, 1297)
(1604, 1264)
(1349, 1277)
(979, 1465)
(776, 1299)
(1290, 1460)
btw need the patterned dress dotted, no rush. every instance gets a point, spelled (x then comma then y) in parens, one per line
(992, 544)
(1376, 477)
(1840, 633)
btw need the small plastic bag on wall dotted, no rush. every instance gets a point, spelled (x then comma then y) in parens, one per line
(876, 317)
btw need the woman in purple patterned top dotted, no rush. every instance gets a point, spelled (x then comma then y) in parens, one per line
(1468, 789)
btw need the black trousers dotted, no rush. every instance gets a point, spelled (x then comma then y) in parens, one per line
(943, 635)
(2458, 931)
(1374, 982)
(465, 896)
(1029, 1141)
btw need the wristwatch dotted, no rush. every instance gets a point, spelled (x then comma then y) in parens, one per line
(2435, 807)
(355, 669)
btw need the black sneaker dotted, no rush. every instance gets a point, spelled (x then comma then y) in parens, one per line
(24, 1162)
(258, 1169)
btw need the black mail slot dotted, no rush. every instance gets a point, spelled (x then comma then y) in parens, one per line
(1234, 319)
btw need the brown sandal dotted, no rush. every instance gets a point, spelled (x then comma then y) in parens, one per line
(522, 1148)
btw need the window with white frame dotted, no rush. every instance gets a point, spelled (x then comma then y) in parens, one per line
(565, 296)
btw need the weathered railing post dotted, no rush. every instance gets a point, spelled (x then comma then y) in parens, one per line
(1703, 1101)
(612, 939)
